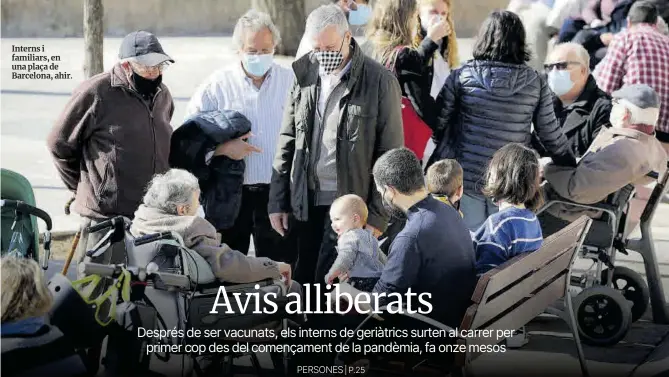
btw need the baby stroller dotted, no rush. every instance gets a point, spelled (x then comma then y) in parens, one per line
(20, 234)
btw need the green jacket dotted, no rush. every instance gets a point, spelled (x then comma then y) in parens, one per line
(370, 124)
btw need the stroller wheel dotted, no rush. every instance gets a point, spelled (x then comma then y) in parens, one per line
(633, 287)
(603, 315)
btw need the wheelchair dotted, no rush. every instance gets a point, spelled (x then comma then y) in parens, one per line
(170, 287)
(610, 298)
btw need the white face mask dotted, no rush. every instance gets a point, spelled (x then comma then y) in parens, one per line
(618, 113)
(560, 82)
(200, 211)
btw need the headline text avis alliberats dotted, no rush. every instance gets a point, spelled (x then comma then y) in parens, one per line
(363, 303)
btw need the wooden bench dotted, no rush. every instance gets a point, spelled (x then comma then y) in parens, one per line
(510, 296)
(507, 298)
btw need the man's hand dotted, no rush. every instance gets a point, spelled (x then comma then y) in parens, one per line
(439, 29)
(237, 149)
(286, 271)
(375, 232)
(606, 38)
(279, 222)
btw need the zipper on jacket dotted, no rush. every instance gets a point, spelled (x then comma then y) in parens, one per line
(149, 107)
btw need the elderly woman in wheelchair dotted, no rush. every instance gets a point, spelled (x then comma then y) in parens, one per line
(175, 271)
(171, 204)
(601, 186)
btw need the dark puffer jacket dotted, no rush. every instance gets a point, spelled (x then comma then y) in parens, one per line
(486, 105)
(221, 178)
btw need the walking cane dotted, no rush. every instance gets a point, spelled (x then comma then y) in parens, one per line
(75, 242)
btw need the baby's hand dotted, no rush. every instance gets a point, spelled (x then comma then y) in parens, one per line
(329, 279)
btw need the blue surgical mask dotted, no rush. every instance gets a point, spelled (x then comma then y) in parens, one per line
(360, 16)
(560, 82)
(257, 65)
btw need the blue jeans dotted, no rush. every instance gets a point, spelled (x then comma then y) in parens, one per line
(476, 210)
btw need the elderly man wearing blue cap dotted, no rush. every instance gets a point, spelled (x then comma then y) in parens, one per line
(620, 155)
(114, 134)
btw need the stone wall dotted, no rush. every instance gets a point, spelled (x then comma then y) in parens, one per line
(63, 18)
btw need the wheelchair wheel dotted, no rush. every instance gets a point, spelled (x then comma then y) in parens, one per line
(633, 287)
(603, 316)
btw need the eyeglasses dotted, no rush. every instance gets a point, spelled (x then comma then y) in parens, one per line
(260, 52)
(139, 68)
(560, 66)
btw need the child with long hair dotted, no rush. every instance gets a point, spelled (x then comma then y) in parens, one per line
(513, 182)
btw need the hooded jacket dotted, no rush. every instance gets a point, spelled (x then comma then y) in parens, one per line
(486, 105)
(198, 234)
(220, 177)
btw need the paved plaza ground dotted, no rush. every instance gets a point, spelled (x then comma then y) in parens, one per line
(29, 108)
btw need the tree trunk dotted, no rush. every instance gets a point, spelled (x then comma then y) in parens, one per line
(289, 18)
(93, 33)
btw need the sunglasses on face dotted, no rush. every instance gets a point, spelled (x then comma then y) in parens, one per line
(560, 66)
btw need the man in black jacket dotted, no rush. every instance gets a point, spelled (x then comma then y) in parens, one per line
(581, 108)
(343, 113)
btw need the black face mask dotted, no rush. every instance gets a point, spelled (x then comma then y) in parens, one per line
(393, 211)
(145, 86)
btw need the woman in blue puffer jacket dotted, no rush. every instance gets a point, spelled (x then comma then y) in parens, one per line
(491, 101)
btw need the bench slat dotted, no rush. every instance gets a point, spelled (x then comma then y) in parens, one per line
(490, 308)
(499, 278)
(524, 313)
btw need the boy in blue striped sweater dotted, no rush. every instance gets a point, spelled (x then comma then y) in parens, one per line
(513, 181)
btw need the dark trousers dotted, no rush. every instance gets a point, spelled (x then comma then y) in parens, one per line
(253, 220)
(569, 29)
(316, 246)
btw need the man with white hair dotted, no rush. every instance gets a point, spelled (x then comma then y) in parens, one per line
(358, 12)
(344, 112)
(114, 134)
(582, 109)
(257, 87)
(621, 155)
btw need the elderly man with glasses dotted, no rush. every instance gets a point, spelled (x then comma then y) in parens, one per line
(257, 87)
(582, 109)
(114, 134)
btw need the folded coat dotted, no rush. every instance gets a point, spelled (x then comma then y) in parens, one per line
(220, 178)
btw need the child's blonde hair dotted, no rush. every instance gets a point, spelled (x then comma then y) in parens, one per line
(354, 204)
(451, 54)
(444, 177)
(24, 290)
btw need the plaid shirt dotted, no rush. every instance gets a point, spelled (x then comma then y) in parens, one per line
(639, 55)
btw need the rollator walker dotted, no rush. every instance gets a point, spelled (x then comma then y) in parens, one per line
(161, 285)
